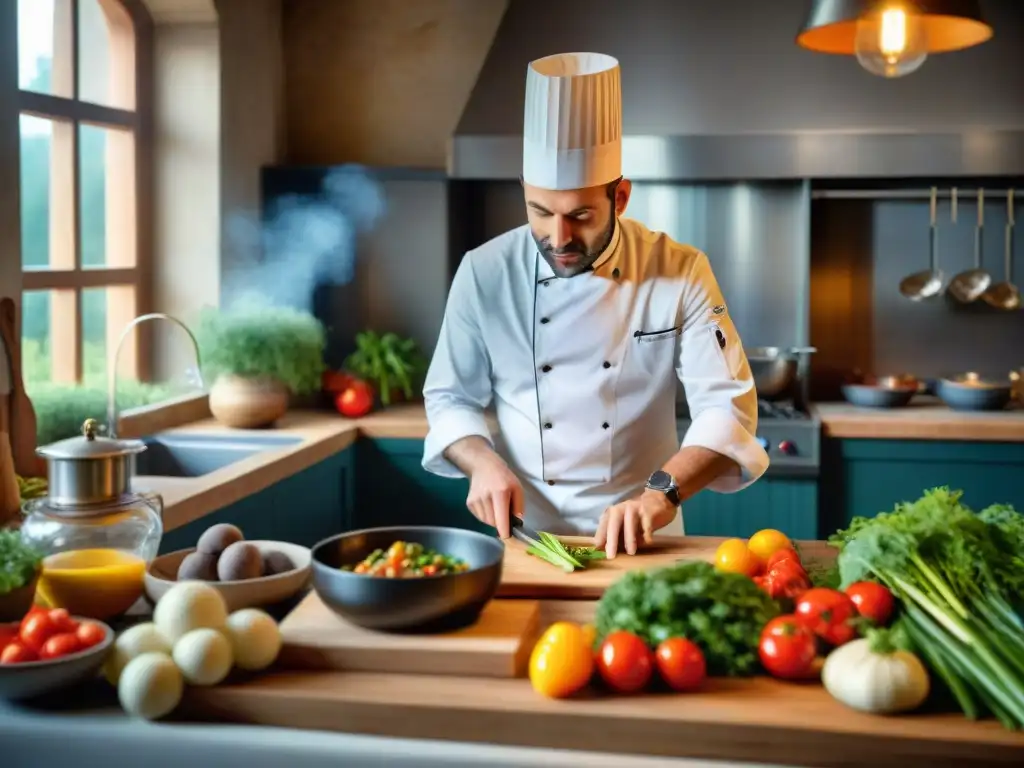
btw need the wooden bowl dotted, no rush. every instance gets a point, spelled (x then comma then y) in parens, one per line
(35, 678)
(162, 574)
(16, 603)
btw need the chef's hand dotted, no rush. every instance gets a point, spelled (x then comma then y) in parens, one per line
(494, 492)
(633, 519)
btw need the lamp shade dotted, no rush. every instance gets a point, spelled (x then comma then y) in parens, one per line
(947, 25)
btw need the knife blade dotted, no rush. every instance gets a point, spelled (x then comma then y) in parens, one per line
(522, 531)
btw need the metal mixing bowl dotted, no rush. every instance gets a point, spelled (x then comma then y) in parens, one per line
(775, 368)
(431, 603)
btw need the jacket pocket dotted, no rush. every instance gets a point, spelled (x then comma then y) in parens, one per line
(655, 352)
(648, 337)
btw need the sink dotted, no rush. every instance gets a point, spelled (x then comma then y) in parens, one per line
(198, 455)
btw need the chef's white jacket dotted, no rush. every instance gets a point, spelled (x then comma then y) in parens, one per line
(581, 372)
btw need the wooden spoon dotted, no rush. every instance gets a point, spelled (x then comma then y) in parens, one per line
(22, 416)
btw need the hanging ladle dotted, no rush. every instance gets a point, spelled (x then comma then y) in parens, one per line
(968, 286)
(925, 285)
(1006, 295)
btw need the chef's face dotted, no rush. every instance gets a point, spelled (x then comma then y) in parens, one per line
(573, 227)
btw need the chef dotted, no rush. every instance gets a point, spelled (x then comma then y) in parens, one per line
(573, 329)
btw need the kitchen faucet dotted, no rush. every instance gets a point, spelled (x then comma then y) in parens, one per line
(112, 414)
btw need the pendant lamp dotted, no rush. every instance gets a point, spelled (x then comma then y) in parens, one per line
(892, 38)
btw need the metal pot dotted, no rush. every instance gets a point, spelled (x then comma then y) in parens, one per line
(90, 469)
(776, 368)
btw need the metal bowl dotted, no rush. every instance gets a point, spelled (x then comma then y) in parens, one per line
(878, 396)
(971, 392)
(35, 678)
(430, 603)
(775, 369)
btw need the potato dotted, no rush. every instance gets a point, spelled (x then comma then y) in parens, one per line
(277, 562)
(217, 538)
(241, 560)
(198, 565)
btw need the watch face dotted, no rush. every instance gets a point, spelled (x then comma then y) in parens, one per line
(660, 481)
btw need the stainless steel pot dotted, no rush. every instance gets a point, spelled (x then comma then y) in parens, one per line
(89, 469)
(776, 368)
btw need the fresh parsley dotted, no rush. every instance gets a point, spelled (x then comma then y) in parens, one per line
(19, 562)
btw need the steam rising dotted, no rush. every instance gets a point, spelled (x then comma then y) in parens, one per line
(305, 241)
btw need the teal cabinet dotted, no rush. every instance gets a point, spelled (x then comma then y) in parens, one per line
(865, 477)
(788, 505)
(304, 508)
(392, 488)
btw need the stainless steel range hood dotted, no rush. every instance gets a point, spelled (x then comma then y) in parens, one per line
(720, 91)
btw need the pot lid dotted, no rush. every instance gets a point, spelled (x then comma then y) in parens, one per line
(91, 446)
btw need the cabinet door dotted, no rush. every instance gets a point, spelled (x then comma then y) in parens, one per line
(392, 488)
(873, 475)
(305, 508)
(790, 506)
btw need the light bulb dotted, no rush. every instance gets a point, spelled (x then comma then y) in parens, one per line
(891, 43)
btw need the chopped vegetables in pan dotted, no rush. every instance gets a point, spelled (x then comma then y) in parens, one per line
(407, 560)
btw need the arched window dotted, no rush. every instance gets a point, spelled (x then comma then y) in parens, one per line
(83, 201)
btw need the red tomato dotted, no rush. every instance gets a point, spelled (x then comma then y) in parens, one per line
(36, 629)
(355, 400)
(59, 645)
(8, 632)
(680, 663)
(787, 648)
(782, 555)
(62, 621)
(786, 579)
(873, 601)
(16, 652)
(334, 381)
(625, 662)
(89, 633)
(826, 613)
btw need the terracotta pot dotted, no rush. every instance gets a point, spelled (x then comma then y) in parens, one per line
(248, 403)
(16, 603)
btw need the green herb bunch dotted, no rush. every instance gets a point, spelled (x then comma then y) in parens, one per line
(19, 562)
(254, 340)
(389, 362)
(960, 577)
(723, 613)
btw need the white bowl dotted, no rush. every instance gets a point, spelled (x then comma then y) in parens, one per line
(162, 574)
(34, 678)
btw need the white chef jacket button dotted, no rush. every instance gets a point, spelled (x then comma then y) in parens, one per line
(545, 320)
(545, 368)
(605, 425)
(548, 425)
(606, 364)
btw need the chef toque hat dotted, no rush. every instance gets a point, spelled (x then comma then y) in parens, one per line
(572, 130)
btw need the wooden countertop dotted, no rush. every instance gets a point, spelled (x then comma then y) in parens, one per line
(924, 419)
(321, 433)
(756, 719)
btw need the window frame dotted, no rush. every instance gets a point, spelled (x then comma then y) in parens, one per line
(67, 278)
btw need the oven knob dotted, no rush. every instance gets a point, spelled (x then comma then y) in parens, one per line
(787, 448)
(764, 442)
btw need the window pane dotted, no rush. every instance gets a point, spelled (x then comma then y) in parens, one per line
(106, 54)
(105, 313)
(48, 324)
(107, 213)
(44, 47)
(47, 191)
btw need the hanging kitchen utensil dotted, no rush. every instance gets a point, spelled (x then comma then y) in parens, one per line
(926, 284)
(968, 286)
(1006, 295)
(22, 416)
(10, 495)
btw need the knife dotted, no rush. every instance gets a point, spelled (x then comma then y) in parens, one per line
(522, 531)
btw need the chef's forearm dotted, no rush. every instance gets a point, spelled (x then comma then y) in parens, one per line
(469, 453)
(695, 467)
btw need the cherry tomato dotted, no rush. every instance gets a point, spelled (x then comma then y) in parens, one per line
(786, 580)
(732, 556)
(767, 542)
(15, 652)
(680, 663)
(355, 400)
(62, 621)
(89, 633)
(788, 553)
(8, 632)
(561, 662)
(787, 649)
(873, 601)
(625, 662)
(36, 629)
(334, 381)
(62, 644)
(826, 613)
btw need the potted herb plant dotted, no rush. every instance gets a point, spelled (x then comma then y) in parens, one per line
(19, 571)
(393, 365)
(257, 356)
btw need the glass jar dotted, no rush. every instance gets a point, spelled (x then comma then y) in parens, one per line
(95, 534)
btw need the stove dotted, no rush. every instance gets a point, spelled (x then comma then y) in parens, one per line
(790, 435)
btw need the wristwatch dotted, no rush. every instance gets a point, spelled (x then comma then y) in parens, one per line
(663, 482)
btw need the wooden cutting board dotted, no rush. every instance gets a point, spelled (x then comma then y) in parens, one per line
(527, 576)
(497, 645)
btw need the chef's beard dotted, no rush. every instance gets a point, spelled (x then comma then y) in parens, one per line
(586, 257)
